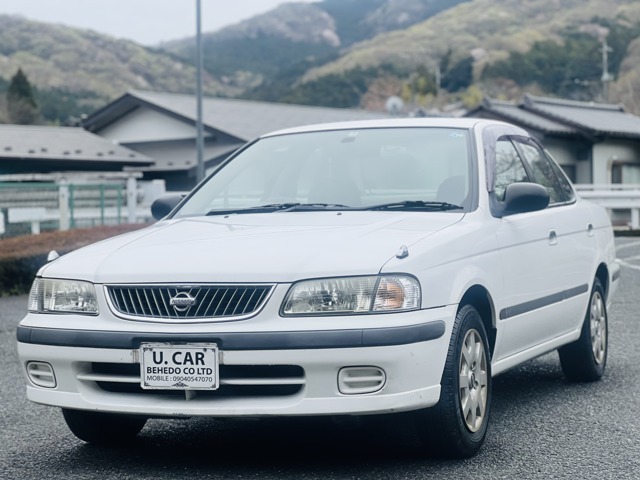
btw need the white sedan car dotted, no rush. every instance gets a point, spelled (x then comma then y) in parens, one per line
(341, 269)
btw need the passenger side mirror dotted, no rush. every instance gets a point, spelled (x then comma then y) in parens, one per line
(163, 206)
(524, 197)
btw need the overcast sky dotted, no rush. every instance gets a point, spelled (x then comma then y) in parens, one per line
(146, 21)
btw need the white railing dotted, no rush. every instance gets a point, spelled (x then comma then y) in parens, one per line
(74, 200)
(615, 197)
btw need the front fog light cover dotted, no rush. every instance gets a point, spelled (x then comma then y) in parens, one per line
(50, 295)
(41, 374)
(349, 295)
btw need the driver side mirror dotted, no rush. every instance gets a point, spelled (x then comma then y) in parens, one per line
(524, 197)
(163, 206)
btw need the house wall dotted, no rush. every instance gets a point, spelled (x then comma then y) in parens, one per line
(170, 142)
(147, 125)
(608, 152)
(573, 154)
(175, 161)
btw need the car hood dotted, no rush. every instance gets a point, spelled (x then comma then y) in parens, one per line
(275, 247)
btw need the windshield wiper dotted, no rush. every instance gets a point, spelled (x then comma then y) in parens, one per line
(415, 205)
(281, 207)
(310, 207)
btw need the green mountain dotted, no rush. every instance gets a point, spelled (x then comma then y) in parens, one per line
(77, 71)
(347, 53)
(299, 35)
(553, 46)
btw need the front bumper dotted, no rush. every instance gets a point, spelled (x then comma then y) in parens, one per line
(96, 370)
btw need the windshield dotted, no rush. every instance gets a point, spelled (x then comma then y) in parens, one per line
(375, 168)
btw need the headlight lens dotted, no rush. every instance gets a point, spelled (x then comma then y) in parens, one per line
(50, 295)
(332, 296)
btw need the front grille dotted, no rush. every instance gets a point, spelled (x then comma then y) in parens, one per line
(193, 302)
(235, 380)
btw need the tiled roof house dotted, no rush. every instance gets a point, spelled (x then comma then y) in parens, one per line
(594, 142)
(163, 127)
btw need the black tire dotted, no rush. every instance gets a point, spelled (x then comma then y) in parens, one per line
(100, 428)
(445, 429)
(585, 359)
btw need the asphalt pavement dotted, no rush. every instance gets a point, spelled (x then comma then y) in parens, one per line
(541, 426)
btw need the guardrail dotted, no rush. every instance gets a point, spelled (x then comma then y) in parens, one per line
(615, 197)
(50, 202)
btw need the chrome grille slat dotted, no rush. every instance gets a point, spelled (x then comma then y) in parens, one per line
(153, 302)
(201, 301)
(213, 297)
(244, 292)
(215, 313)
(153, 294)
(133, 304)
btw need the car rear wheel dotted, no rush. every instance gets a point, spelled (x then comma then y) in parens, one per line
(103, 428)
(457, 425)
(585, 359)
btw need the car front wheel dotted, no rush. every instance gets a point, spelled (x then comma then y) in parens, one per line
(457, 425)
(103, 428)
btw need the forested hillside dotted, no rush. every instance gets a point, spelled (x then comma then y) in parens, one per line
(296, 36)
(550, 46)
(347, 53)
(77, 71)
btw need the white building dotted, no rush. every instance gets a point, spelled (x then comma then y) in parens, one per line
(162, 126)
(594, 143)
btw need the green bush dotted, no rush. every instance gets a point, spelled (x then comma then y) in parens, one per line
(17, 274)
(21, 257)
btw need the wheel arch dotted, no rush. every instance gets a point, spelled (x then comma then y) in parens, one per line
(480, 298)
(602, 274)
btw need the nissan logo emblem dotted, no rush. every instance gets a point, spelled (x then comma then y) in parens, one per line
(182, 302)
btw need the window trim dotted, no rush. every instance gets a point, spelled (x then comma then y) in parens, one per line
(490, 137)
(518, 140)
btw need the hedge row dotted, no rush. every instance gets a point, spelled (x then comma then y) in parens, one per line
(17, 274)
(22, 257)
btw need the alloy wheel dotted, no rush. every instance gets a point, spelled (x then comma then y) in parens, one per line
(473, 380)
(598, 326)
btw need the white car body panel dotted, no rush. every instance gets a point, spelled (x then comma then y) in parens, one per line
(327, 244)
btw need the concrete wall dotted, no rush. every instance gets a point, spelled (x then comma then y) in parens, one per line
(571, 153)
(610, 151)
(147, 125)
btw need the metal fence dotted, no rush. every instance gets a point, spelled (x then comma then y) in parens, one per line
(34, 206)
(621, 200)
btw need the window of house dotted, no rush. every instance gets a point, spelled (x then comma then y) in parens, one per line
(625, 173)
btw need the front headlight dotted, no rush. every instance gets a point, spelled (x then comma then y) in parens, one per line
(49, 295)
(347, 295)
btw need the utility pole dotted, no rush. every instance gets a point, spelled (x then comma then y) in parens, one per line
(606, 76)
(199, 125)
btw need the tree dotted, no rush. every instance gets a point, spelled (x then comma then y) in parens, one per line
(21, 104)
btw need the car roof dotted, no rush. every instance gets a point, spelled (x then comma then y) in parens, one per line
(440, 122)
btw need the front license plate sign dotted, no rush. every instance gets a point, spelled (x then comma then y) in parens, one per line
(179, 367)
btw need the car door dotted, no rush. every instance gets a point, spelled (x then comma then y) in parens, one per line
(574, 235)
(531, 263)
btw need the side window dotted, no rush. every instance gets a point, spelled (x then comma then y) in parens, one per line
(509, 168)
(542, 171)
(569, 194)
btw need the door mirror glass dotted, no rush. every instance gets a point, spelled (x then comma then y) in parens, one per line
(163, 206)
(524, 197)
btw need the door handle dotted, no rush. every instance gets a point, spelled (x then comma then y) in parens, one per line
(590, 229)
(553, 237)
